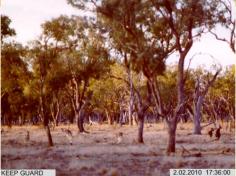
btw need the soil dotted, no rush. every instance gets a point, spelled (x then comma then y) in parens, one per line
(98, 153)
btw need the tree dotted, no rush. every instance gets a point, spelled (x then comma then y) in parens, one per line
(14, 75)
(6, 31)
(130, 23)
(109, 92)
(228, 23)
(185, 29)
(42, 57)
(84, 57)
(220, 100)
(201, 89)
(141, 52)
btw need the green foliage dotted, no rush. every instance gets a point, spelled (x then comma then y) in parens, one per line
(80, 48)
(108, 91)
(14, 77)
(167, 84)
(14, 70)
(6, 31)
(224, 86)
(141, 34)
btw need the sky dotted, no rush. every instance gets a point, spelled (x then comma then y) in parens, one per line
(28, 15)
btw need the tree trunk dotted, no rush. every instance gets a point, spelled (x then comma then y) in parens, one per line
(171, 136)
(109, 118)
(8, 118)
(197, 115)
(180, 79)
(55, 111)
(200, 93)
(130, 114)
(46, 126)
(135, 117)
(20, 120)
(46, 122)
(156, 95)
(180, 91)
(131, 100)
(81, 124)
(77, 105)
(50, 143)
(79, 120)
(140, 128)
(45, 119)
(172, 124)
(2, 119)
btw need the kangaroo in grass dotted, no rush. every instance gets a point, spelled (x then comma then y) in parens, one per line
(119, 137)
(217, 135)
(210, 133)
(68, 134)
(27, 137)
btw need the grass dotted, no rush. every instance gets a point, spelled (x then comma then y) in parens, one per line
(97, 153)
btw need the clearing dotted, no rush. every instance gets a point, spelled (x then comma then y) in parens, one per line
(97, 153)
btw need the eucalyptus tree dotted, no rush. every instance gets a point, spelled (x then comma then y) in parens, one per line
(177, 23)
(224, 89)
(14, 74)
(42, 57)
(135, 39)
(50, 55)
(229, 24)
(84, 56)
(202, 86)
(110, 93)
(220, 100)
(6, 31)
(56, 85)
(188, 21)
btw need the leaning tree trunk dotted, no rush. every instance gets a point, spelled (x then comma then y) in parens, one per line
(200, 93)
(171, 136)
(46, 125)
(156, 95)
(42, 102)
(45, 117)
(197, 115)
(50, 142)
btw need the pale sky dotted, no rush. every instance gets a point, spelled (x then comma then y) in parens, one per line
(28, 15)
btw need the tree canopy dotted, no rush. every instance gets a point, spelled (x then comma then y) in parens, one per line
(114, 64)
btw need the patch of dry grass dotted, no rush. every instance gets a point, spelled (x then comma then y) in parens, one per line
(97, 154)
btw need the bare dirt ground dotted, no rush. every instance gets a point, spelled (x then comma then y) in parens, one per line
(98, 154)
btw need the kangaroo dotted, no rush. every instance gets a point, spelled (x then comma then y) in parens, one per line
(210, 133)
(92, 122)
(68, 134)
(217, 135)
(119, 137)
(27, 137)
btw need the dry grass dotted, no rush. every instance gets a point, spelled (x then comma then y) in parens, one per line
(97, 154)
